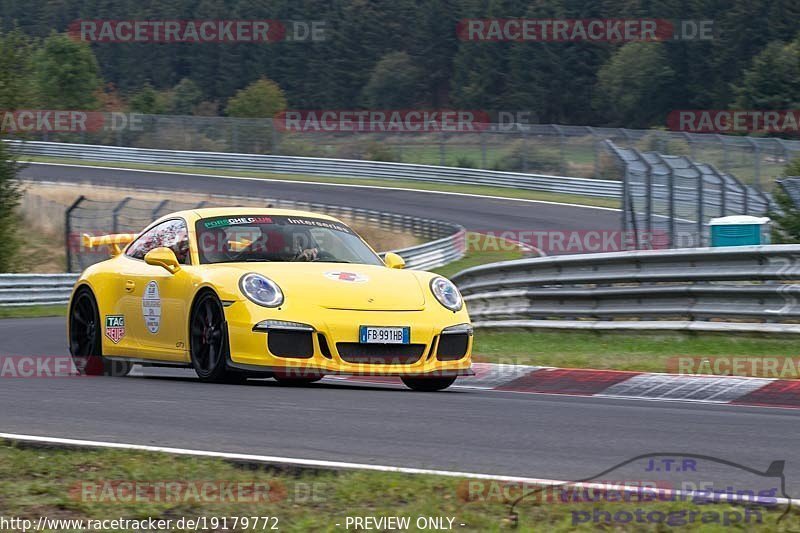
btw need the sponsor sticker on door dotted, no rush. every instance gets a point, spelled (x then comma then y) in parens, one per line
(151, 307)
(115, 327)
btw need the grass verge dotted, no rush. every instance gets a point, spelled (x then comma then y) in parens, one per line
(506, 192)
(33, 311)
(90, 485)
(481, 249)
(647, 352)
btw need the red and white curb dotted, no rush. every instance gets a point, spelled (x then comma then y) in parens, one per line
(621, 384)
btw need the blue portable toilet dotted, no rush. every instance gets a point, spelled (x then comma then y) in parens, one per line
(740, 230)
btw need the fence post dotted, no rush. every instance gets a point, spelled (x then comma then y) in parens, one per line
(756, 161)
(700, 203)
(671, 181)
(441, 149)
(524, 148)
(561, 155)
(482, 137)
(235, 135)
(115, 214)
(159, 207)
(597, 147)
(649, 203)
(725, 155)
(68, 229)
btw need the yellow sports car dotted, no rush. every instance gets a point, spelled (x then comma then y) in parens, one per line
(247, 292)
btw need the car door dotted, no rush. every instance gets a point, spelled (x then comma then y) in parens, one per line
(156, 303)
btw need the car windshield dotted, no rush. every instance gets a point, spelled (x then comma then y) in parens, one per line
(268, 238)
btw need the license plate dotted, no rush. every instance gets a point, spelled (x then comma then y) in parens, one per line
(384, 335)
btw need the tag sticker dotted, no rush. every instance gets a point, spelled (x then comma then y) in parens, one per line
(115, 327)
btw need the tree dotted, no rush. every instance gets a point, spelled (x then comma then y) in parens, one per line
(148, 101)
(773, 79)
(393, 83)
(185, 96)
(16, 84)
(633, 87)
(10, 195)
(262, 98)
(66, 73)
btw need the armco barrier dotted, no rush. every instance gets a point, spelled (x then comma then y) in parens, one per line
(315, 166)
(749, 288)
(17, 290)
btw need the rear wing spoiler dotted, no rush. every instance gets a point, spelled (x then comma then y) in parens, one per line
(115, 242)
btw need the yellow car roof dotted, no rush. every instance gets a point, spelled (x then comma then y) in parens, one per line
(192, 215)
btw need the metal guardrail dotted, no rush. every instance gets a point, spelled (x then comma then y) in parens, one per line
(315, 166)
(753, 288)
(18, 290)
(539, 148)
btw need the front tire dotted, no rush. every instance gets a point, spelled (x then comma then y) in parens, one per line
(208, 341)
(428, 384)
(85, 341)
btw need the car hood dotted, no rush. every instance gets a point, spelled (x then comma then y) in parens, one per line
(341, 285)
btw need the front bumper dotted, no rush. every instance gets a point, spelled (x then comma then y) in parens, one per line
(331, 344)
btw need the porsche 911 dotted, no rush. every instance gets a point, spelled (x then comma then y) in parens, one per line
(238, 293)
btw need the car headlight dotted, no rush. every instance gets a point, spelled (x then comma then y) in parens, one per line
(261, 290)
(446, 292)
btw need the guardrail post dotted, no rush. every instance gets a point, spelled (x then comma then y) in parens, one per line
(68, 229)
(115, 214)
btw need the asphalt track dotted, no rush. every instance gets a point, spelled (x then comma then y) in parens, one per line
(542, 436)
(474, 213)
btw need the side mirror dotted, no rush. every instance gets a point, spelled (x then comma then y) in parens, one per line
(163, 257)
(393, 260)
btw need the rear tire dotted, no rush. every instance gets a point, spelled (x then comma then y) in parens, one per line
(208, 342)
(85, 339)
(428, 384)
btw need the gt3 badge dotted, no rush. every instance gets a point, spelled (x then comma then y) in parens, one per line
(351, 277)
(115, 327)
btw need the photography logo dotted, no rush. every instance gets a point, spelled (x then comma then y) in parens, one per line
(699, 490)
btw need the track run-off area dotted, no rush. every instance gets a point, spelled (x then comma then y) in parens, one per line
(538, 436)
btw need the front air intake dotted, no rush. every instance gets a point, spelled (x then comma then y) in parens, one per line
(380, 354)
(288, 343)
